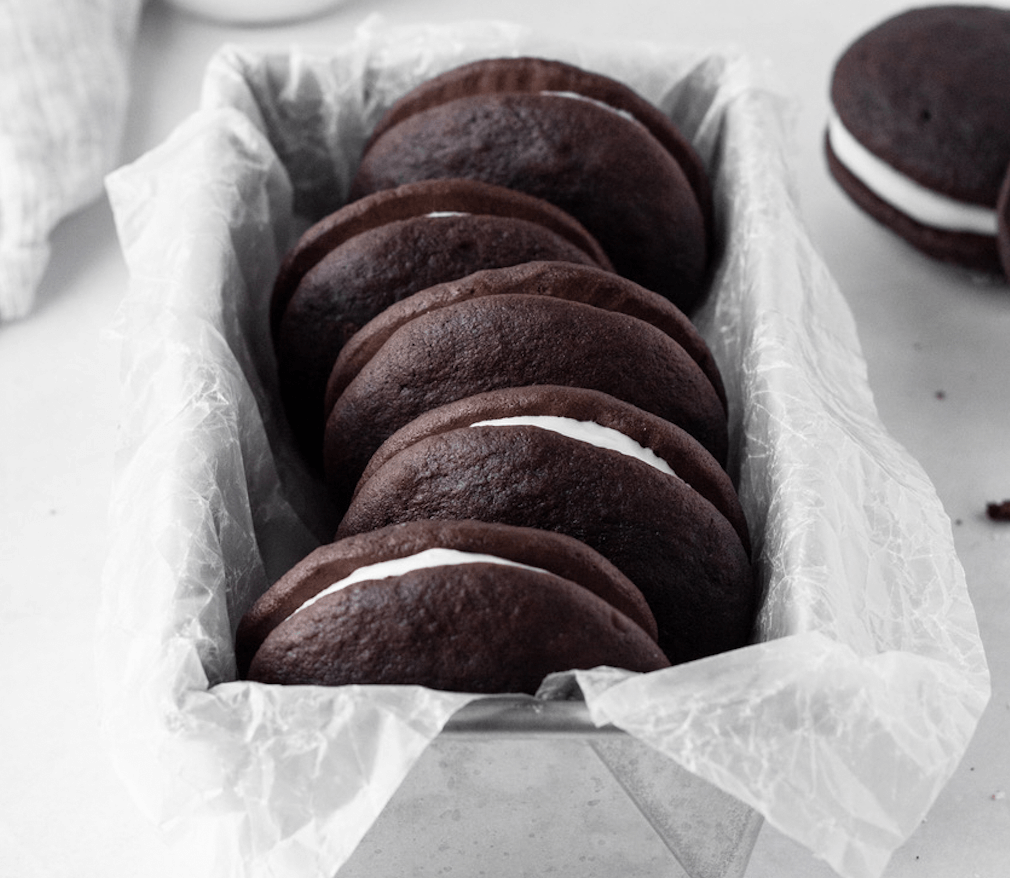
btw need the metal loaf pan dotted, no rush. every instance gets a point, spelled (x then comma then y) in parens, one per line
(866, 640)
(515, 786)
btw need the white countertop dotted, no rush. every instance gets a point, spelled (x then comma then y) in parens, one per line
(937, 345)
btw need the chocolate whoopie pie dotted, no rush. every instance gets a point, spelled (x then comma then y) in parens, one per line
(351, 265)
(580, 283)
(920, 133)
(572, 137)
(514, 340)
(589, 414)
(458, 605)
(672, 542)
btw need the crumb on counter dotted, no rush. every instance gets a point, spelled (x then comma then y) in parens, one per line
(999, 511)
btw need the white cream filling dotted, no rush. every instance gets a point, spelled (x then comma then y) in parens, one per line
(586, 431)
(437, 557)
(440, 213)
(574, 94)
(913, 199)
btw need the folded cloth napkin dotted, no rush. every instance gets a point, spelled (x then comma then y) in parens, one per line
(63, 95)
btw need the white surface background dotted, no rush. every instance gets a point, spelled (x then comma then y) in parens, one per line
(937, 343)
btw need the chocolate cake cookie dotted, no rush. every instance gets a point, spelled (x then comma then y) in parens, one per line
(920, 133)
(681, 552)
(351, 265)
(580, 283)
(570, 137)
(457, 605)
(515, 340)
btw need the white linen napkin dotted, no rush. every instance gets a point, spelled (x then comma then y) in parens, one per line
(63, 96)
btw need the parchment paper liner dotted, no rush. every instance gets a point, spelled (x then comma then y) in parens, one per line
(840, 726)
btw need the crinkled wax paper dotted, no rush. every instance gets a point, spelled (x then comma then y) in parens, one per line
(840, 725)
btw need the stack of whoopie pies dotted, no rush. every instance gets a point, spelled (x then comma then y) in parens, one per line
(486, 355)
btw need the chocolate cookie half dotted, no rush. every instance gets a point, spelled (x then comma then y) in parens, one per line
(549, 129)
(353, 264)
(920, 133)
(580, 283)
(681, 552)
(515, 340)
(459, 605)
(418, 200)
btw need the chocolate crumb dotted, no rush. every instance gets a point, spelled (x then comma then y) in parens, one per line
(941, 394)
(999, 511)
